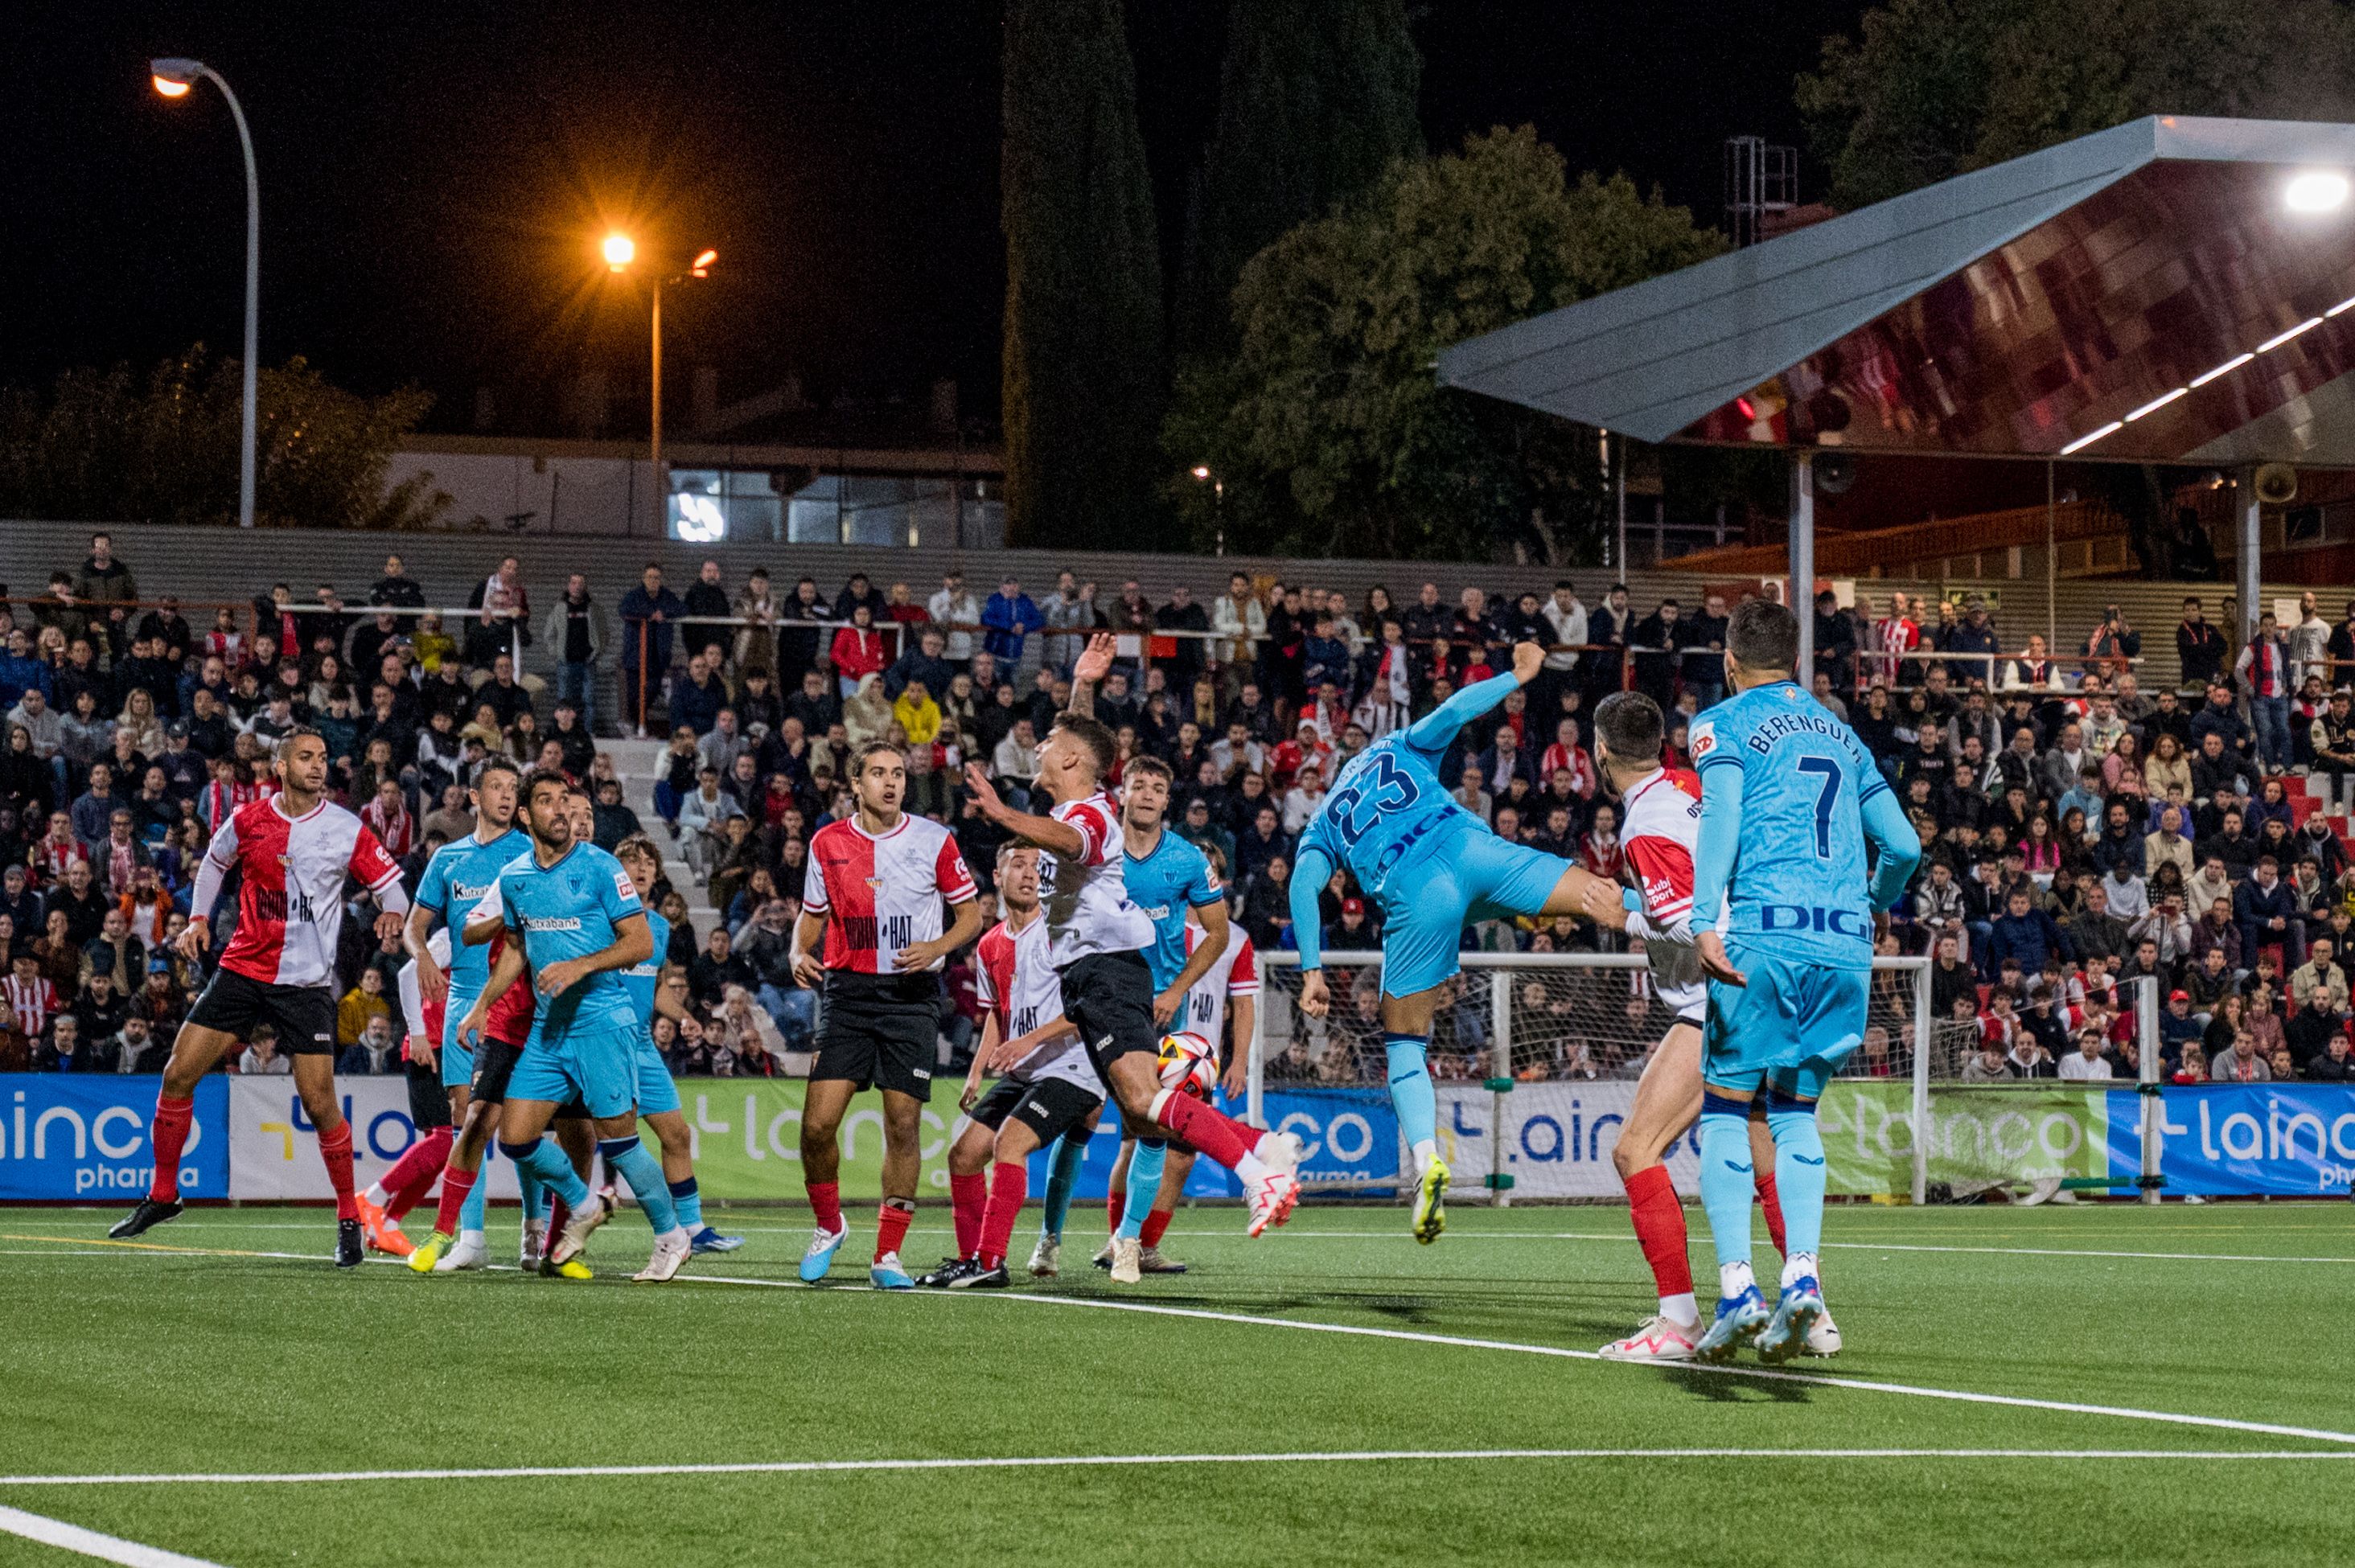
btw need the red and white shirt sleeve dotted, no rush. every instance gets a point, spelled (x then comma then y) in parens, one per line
(1088, 908)
(289, 903)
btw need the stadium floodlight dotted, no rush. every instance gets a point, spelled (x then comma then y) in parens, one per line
(2316, 190)
(174, 77)
(619, 251)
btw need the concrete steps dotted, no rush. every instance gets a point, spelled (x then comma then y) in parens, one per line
(638, 763)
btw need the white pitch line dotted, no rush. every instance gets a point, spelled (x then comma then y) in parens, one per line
(1066, 1461)
(91, 1543)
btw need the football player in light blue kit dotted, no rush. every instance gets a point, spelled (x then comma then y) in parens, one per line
(658, 1091)
(1783, 920)
(1436, 867)
(576, 918)
(455, 880)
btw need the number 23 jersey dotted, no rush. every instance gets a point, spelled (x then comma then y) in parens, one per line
(1386, 809)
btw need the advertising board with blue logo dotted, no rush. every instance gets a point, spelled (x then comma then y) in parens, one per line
(2290, 1141)
(70, 1137)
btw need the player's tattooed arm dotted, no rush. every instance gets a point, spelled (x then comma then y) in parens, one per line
(1056, 838)
(1088, 672)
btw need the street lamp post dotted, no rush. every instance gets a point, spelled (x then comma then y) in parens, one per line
(173, 79)
(621, 253)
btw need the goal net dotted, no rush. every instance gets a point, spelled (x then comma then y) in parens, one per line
(1534, 1058)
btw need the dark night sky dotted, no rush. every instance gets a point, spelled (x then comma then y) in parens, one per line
(431, 184)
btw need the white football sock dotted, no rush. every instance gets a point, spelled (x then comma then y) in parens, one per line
(1681, 1309)
(1733, 1279)
(376, 1194)
(1250, 1168)
(1426, 1150)
(473, 1236)
(1798, 1268)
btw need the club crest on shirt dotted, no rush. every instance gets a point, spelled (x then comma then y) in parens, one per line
(286, 861)
(1704, 740)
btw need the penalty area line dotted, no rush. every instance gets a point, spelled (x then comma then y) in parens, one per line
(1071, 1461)
(73, 1538)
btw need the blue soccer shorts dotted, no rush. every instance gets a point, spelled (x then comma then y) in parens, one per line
(457, 1056)
(657, 1092)
(1793, 1024)
(598, 1066)
(1460, 876)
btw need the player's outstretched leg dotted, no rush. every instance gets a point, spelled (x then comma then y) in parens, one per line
(626, 1156)
(399, 1190)
(1799, 1176)
(1667, 1101)
(1725, 1189)
(1417, 1104)
(822, 1112)
(194, 1051)
(1823, 1335)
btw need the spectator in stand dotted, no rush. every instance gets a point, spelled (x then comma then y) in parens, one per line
(2307, 1036)
(2320, 971)
(1240, 622)
(2088, 1063)
(649, 614)
(2264, 668)
(697, 694)
(1010, 620)
(2269, 916)
(1182, 615)
(261, 1057)
(578, 633)
(957, 612)
(707, 611)
(2241, 1065)
(2334, 1065)
(1655, 638)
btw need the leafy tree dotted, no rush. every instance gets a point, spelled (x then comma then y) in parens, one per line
(1085, 379)
(110, 446)
(1936, 88)
(1316, 99)
(1327, 426)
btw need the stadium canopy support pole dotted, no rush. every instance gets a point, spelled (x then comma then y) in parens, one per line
(1500, 1018)
(1255, 1090)
(1923, 1025)
(2052, 563)
(2250, 518)
(2153, 1121)
(1803, 559)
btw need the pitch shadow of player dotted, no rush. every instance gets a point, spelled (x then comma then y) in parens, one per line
(1718, 1388)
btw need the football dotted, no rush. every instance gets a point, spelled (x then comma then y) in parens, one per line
(1188, 1064)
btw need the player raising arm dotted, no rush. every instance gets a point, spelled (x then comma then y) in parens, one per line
(1435, 868)
(1783, 922)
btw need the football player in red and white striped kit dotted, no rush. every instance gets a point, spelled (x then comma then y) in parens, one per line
(1096, 940)
(1046, 1084)
(1230, 986)
(873, 892)
(1660, 822)
(292, 852)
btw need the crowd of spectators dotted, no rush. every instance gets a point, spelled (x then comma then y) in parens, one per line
(2079, 830)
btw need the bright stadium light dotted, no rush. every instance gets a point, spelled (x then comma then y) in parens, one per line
(619, 250)
(2316, 190)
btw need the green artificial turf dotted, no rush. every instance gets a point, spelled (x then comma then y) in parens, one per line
(124, 1362)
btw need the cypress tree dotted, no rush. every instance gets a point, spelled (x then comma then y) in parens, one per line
(1315, 98)
(1085, 378)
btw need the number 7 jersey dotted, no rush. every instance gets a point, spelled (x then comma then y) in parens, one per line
(1799, 882)
(1386, 808)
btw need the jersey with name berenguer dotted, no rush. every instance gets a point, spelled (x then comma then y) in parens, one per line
(1799, 883)
(569, 910)
(1086, 899)
(1660, 825)
(1383, 806)
(881, 893)
(1016, 981)
(456, 881)
(290, 901)
(1233, 973)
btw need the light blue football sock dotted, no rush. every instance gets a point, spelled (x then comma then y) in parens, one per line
(1144, 1163)
(629, 1158)
(544, 1160)
(470, 1213)
(535, 1197)
(1727, 1183)
(1798, 1174)
(687, 1198)
(1411, 1092)
(1062, 1179)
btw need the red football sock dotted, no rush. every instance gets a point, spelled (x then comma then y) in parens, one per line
(969, 1196)
(891, 1225)
(1661, 1228)
(173, 1113)
(411, 1176)
(1008, 1187)
(1156, 1225)
(336, 1154)
(1115, 1204)
(825, 1202)
(559, 1212)
(1221, 1136)
(1774, 1207)
(455, 1185)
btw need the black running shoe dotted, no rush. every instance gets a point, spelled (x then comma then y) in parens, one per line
(976, 1278)
(351, 1248)
(948, 1273)
(147, 1215)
